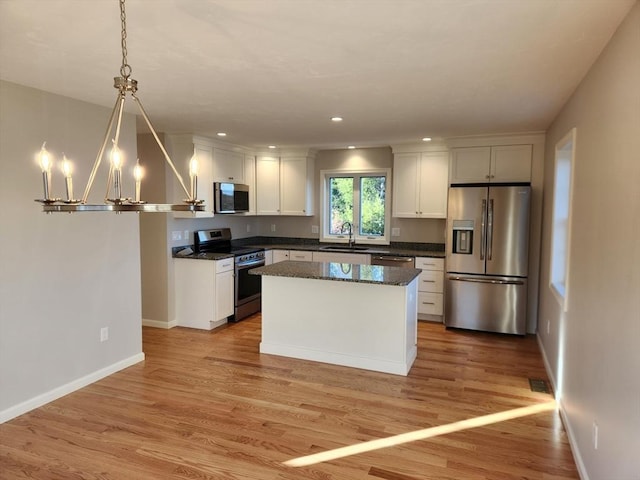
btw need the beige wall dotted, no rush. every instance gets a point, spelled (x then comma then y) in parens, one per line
(593, 351)
(62, 277)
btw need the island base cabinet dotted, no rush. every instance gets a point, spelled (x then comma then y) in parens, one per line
(373, 327)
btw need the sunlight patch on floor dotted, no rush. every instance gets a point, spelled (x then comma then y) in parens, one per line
(420, 434)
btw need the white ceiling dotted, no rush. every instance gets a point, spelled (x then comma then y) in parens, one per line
(275, 71)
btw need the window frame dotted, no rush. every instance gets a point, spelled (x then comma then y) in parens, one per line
(560, 257)
(325, 215)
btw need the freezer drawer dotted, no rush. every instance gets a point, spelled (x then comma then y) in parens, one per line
(493, 304)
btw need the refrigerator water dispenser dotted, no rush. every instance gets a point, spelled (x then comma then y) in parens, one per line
(463, 237)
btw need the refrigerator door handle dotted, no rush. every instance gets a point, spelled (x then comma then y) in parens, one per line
(483, 230)
(490, 230)
(487, 280)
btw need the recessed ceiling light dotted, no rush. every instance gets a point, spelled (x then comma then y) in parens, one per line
(426, 139)
(272, 146)
(336, 119)
(351, 147)
(221, 134)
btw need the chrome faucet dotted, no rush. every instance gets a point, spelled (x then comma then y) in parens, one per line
(352, 241)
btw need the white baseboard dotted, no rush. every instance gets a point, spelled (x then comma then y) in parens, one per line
(40, 400)
(158, 324)
(582, 470)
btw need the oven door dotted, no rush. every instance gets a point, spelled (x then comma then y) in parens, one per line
(248, 290)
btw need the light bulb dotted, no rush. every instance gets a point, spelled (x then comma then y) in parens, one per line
(66, 166)
(116, 158)
(193, 166)
(45, 159)
(138, 172)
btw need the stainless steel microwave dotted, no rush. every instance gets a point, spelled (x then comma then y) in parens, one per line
(230, 197)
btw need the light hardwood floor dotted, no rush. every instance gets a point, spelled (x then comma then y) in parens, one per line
(207, 405)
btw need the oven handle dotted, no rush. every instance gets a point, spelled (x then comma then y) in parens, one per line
(258, 263)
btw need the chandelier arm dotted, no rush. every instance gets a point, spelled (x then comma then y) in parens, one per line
(96, 164)
(166, 155)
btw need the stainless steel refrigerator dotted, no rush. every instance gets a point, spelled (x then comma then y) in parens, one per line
(487, 258)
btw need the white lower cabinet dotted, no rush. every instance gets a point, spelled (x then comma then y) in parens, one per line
(279, 256)
(204, 292)
(300, 255)
(430, 288)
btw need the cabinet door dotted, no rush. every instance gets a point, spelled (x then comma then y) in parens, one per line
(228, 166)
(194, 283)
(181, 152)
(293, 186)
(511, 163)
(250, 179)
(300, 255)
(280, 255)
(470, 165)
(434, 184)
(224, 295)
(268, 186)
(405, 184)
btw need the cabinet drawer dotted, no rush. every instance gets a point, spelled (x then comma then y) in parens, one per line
(431, 281)
(430, 303)
(429, 263)
(224, 265)
(300, 256)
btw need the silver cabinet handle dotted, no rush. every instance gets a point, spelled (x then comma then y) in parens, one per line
(483, 280)
(483, 230)
(428, 303)
(490, 231)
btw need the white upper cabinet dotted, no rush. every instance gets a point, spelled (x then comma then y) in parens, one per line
(228, 166)
(267, 185)
(284, 186)
(250, 179)
(420, 183)
(505, 163)
(181, 148)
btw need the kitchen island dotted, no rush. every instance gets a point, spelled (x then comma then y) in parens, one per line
(362, 316)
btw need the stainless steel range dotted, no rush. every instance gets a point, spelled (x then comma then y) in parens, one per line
(248, 288)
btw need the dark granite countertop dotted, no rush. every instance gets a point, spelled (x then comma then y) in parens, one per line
(400, 249)
(344, 272)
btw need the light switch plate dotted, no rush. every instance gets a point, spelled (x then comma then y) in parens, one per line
(395, 232)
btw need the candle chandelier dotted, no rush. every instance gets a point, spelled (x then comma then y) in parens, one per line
(124, 84)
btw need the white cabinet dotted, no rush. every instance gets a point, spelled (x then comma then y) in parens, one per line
(228, 166)
(181, 148)
(224, 289)
(203, 292)
(338, 257)
(300, 255)
(504, 163)
(430, 288)
(284, 185)
(250, 179)
(267, 185)
(268, 257)
(280, 255)
(420, 183)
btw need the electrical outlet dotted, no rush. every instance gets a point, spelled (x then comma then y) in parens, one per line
(273, 227)
(176, 235)
(248, 227)
(104, 334)
(595, 435)
(314, 228)
(185, 235)
(395, 232)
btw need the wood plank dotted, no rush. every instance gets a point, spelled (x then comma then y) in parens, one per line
(209, 405)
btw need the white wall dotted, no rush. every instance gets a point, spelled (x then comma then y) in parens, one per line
(62, 277)
(593, 351)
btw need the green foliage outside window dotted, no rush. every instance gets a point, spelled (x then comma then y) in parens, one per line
(372, 204)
